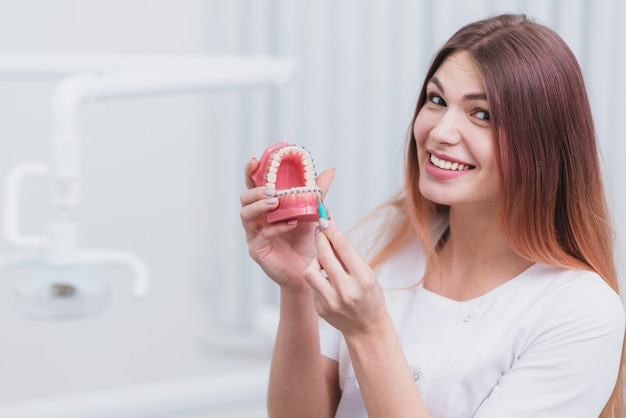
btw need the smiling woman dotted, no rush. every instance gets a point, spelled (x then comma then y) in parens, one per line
(489, 288)
(455, 138)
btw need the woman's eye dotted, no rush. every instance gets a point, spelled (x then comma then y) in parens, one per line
(482, 115)
(436, 99)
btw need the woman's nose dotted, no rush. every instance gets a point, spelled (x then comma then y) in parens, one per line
(446, 129)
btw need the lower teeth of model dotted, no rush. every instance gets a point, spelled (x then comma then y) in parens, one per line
(297, 190)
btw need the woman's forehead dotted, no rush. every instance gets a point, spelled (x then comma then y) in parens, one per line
(459, 71)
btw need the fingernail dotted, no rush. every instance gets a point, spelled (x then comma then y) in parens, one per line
(317, 230)
(271, 201)
(270, 192)
(324, 223)
(292, 222)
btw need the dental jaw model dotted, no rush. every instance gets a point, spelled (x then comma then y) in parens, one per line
(289, 170)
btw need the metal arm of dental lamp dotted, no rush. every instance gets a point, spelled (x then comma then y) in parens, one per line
(58, 246)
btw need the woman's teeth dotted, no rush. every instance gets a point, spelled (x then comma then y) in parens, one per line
(448, 165)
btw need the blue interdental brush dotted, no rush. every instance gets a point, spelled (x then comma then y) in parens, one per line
(321, 209)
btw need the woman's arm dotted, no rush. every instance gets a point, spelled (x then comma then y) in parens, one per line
(303, 383)
(349, 297)
(383, 374)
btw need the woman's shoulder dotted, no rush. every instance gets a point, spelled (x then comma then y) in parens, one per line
(574, 281)
(577, 293)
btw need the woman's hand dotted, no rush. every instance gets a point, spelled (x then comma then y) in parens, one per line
(348, 295)
(282, 249)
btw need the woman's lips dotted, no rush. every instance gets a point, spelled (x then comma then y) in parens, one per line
(446, 168)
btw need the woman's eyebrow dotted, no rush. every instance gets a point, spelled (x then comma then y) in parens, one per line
(437, 83)
(474, 96)
(467, 97)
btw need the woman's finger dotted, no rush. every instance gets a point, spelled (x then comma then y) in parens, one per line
(269, 232)
(316, 277)
(253, 214)
(248, 170)
(344, 251)
(331, 262)
(250, 196)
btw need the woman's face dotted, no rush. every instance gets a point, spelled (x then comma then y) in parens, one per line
(454, 136)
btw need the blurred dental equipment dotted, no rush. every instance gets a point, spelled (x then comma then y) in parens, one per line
(64, 283)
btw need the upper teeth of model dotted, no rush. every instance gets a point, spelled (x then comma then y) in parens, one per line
(448, 165)
(309, 170)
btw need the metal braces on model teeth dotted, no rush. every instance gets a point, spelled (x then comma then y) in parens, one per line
(298, 190)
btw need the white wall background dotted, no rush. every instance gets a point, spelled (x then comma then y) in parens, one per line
(162, 176)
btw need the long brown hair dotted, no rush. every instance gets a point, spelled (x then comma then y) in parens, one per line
(553, 207)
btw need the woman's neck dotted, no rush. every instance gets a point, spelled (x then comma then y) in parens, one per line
(473, 258)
